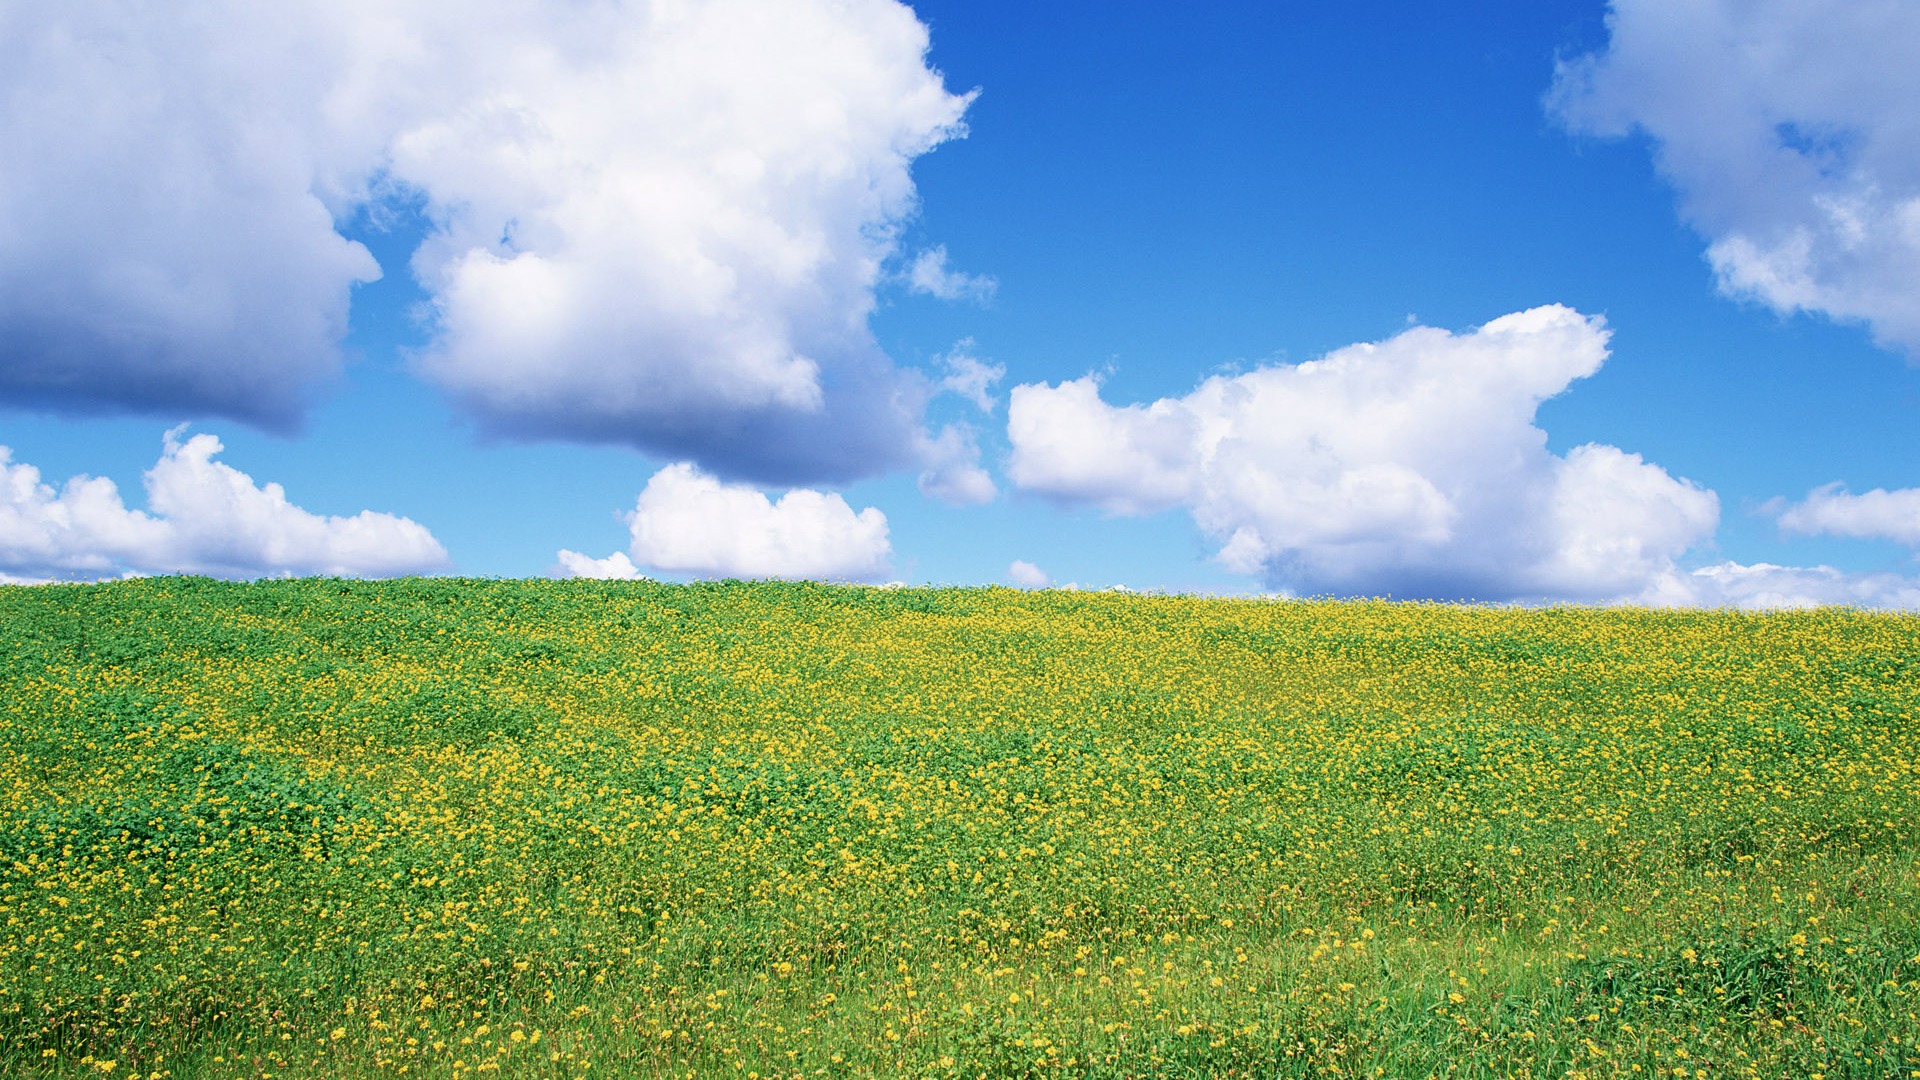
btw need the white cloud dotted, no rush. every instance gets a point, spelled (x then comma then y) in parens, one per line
(1788, 128)
(1069, 444)
(81, 530)
(953, 474)
(1877, 514)
(1764, 586)
(688, 522)
(205, 517)
(1614, 521)
(615, 567)
(930, 274)
(664, 225)
(168, 243)
(971, 377)
(1410, 467)
(1027, 576)
(656, 223)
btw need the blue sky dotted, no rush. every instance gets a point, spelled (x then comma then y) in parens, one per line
(1594, 302)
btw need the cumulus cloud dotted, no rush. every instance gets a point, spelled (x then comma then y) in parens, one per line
(615, 567)
(81, 530)
(688, 522)
(664, 224)
(1410, 467)
(204, 517)
(1027, 576)
(1878, 514)
(930, 274)
(168, 244)
(1073, 446)
(654, 224)
(1788, 128)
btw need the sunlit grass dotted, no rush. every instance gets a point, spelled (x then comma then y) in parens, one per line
(445, 828)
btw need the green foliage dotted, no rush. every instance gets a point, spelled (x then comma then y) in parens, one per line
(341, 828)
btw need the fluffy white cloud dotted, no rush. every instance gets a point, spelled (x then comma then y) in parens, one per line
(615, 567)
(206, 518)
(1788, 127)
(1613, 521)
(1877, 514)
(930, 274)
(168, 243)
(686, 521)
(1410, 467)
(81, 530)
(1069, 444)
(664, 224)
(655, 223)
(1027, 576)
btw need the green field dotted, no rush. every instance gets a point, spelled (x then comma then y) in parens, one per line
(445, 828)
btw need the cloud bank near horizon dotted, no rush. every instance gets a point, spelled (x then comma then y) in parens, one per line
(657, 225)
(687, 522)
(203, 517)
(1767, 587)
(1414, 468)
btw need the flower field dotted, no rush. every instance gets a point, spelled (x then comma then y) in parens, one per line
(449, 828)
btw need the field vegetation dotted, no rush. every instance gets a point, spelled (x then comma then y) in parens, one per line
(448, 828)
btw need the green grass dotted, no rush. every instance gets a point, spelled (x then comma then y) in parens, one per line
(443, 828)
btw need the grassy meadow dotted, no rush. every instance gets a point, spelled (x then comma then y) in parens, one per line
(454, 828)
